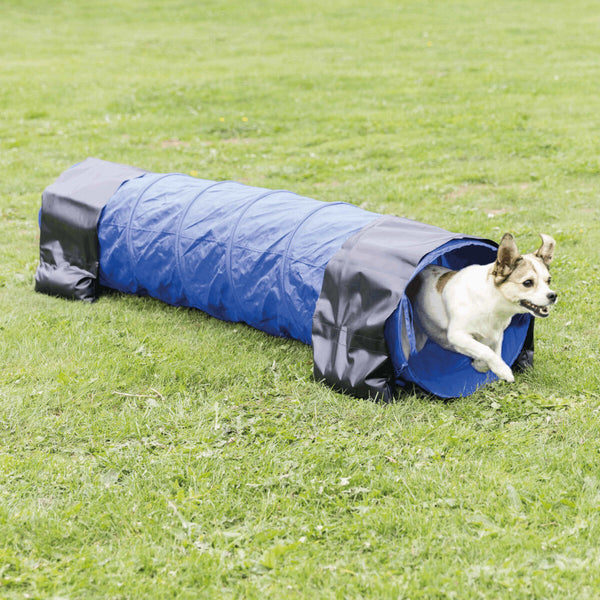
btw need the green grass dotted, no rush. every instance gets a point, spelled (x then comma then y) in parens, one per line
(153, 452)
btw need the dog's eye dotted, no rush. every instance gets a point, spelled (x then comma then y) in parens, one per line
(528, 283)
(549, 280)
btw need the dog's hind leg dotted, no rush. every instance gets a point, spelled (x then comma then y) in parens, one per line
(419, 333)
(404, 340)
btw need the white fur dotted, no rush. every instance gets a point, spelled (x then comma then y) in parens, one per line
(476, 304)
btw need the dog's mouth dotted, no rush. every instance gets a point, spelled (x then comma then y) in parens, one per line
(534, 309)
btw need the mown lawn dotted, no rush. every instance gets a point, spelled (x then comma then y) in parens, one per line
(153, 452)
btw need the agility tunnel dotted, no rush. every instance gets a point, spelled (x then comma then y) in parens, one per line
(331, 275)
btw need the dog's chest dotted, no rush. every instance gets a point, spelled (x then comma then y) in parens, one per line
(475, 307)
(486, 329)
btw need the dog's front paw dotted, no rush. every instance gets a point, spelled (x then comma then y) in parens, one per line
(504, 372)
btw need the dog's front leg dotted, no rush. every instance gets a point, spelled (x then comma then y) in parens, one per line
(481, 354)
(496, 346)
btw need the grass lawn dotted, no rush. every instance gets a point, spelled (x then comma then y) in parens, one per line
(152, 452)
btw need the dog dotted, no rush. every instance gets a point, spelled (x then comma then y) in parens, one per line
(467, 311)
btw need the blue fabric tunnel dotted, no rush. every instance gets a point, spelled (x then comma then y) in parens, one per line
(328, 274)
(237, 252)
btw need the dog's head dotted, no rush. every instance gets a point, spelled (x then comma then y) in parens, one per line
(525, 280)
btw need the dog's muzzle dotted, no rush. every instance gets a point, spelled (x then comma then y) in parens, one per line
(537, 310)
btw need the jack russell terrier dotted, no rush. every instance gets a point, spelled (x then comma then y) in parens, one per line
(467, 311)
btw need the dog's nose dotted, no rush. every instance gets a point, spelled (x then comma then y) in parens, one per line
(552, 296)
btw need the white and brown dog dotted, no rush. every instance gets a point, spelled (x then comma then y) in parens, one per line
(467, 311)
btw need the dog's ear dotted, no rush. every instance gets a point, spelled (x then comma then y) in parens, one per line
(507, 259)
(546, 250)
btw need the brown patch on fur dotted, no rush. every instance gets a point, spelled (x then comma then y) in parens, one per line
(520, 270)
(506, 260)
(443, 280)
